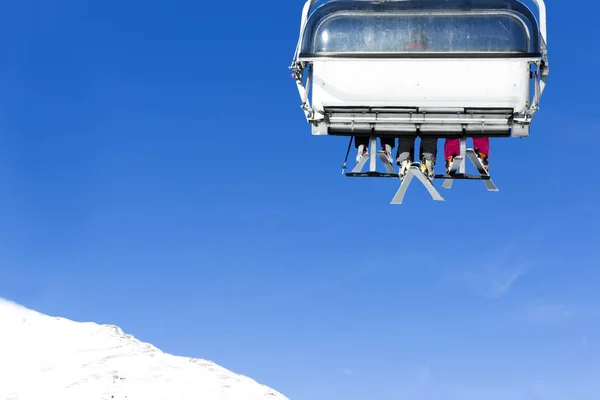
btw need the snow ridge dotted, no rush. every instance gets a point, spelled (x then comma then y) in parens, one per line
(44, 357)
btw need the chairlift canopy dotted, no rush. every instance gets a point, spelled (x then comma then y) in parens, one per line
(423, 28)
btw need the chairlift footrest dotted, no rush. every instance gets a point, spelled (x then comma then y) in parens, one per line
(463, 176)
(371, 174)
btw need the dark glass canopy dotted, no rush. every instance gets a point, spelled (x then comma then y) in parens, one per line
(421, 28)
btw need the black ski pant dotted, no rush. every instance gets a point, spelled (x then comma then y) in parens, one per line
(364, 140)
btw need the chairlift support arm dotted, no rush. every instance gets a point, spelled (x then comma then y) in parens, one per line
(540, 75)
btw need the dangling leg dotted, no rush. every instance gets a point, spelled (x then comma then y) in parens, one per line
(428, 152)
(406, 153)
(481, 145)
(451, 150)
(362, 144)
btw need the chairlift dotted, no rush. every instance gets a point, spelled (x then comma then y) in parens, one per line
(481, 73)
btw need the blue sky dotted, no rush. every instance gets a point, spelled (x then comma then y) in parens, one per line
(155, 174)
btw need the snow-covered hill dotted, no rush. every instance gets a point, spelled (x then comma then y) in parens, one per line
(48, 358)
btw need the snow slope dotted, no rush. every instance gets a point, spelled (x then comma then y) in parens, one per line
(48, 358)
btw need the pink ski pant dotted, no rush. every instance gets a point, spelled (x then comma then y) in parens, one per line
(452, 146)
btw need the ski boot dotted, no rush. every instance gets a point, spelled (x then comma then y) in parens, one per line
(404, 166)
(427, 169)
(387, 151)
(484, 160)
(449, 162)
(362, 151)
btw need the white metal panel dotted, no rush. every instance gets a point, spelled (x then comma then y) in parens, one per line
(435, 83)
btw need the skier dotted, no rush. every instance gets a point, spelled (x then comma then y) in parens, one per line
(371, 43)
(417, 41)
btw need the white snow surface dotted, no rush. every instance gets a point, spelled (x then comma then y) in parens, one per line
(51, 358)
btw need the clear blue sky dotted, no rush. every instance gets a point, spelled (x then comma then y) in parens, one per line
(156, 173)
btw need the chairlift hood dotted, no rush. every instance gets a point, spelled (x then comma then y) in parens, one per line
(421, 28)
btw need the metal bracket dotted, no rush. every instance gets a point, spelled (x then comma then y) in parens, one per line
(415, 171)
(523, 119)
